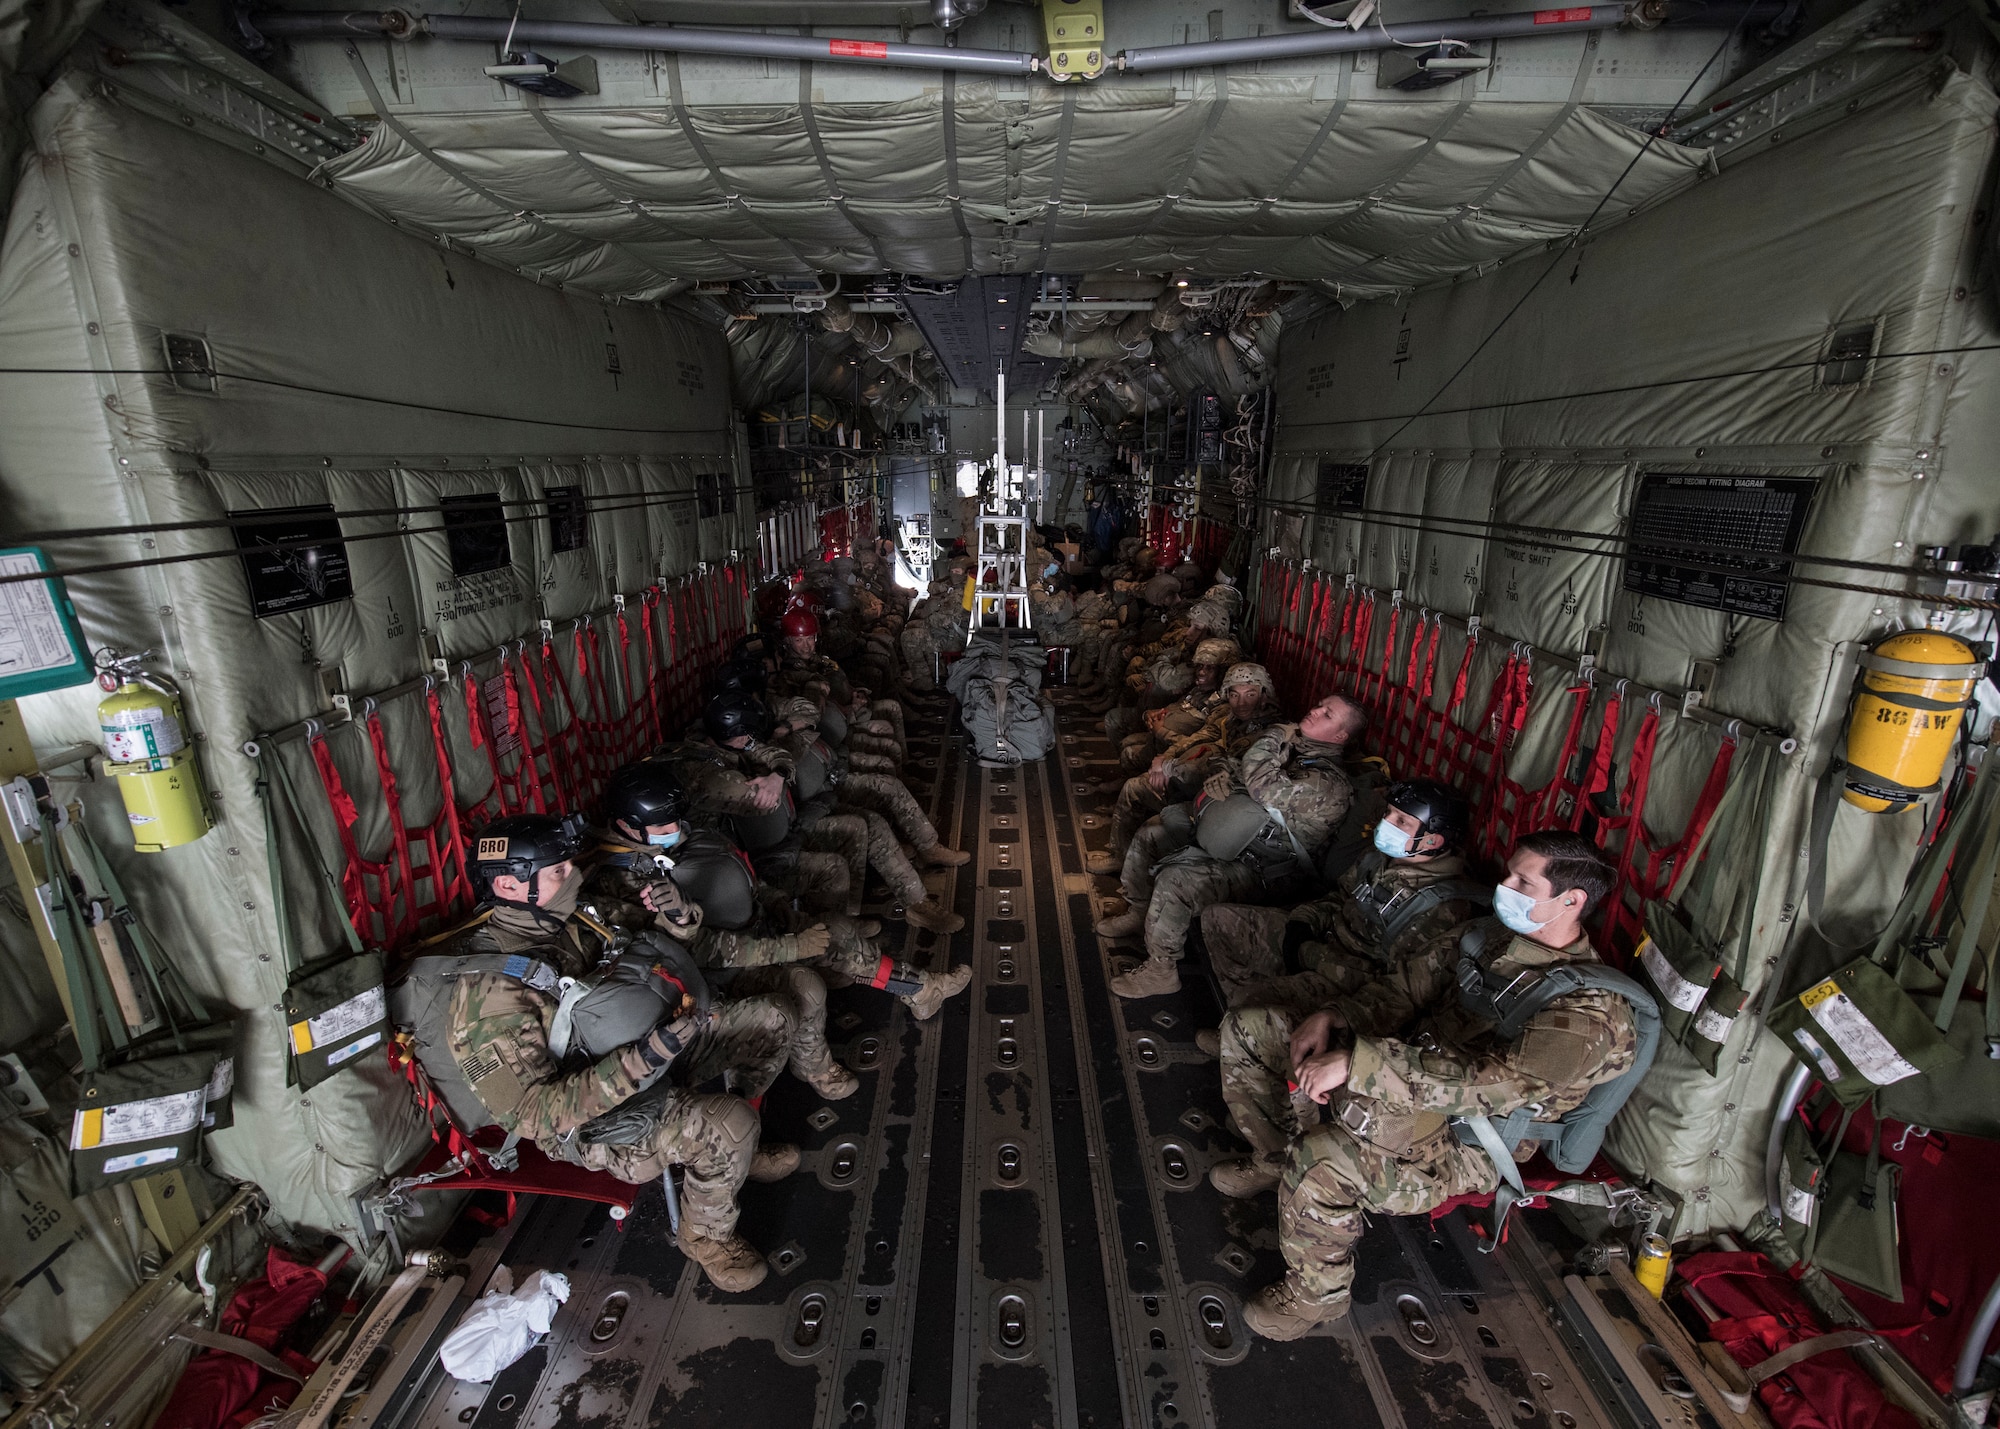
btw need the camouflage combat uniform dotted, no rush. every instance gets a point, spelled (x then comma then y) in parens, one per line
(1195, 756)
(766, 960)
(854, 834)
(1341, 937)
(1389, 1146)
(1297, 778)
(1257, 1032)
(717, 780)
(876, 728)
(499, 1038)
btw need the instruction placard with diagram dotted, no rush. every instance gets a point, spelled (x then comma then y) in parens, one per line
(41, 647)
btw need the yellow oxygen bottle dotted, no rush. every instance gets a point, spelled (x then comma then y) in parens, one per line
(1914, 690)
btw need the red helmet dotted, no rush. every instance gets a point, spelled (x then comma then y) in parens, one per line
(800, 623)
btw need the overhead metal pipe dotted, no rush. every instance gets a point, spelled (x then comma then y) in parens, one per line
(1371, 37)
(405, 25)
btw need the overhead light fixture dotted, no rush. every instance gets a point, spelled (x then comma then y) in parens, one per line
(1180, 282)
(537, 74)
(999, 300)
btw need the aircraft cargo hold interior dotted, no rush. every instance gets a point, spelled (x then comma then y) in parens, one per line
(999, 713)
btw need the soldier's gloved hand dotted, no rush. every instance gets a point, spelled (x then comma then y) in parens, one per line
(668, 1040)
(814, 941)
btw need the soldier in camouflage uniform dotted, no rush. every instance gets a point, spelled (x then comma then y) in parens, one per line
(1372, 919)
(874, 726)
(640, 810)
(852, 827)
(1294, 771)
(1197, 713)
(884, 803)
(499, 1037)
(733, 775)
(1391, 1094)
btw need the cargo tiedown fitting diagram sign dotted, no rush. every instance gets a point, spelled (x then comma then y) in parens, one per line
(1718, 542)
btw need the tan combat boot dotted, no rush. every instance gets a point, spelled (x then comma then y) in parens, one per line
(731, 1265)
(925, 1002)
(933, 915)
(1285, 1312)
(938, 856)
(774, 1161)
(1245, 1177)
(1209, 1041)
(868, 928)
(1103, 860)
(1128, 924)
(834, 1083)
(1155, 977)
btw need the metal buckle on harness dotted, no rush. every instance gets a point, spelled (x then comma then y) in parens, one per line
(1355, 1117)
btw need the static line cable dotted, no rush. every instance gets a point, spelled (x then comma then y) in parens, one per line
(1624, 390)
(282, 517)
(1647, 545)
(1956, 602)
(1576, 237)
(348, 396)
(298, 543)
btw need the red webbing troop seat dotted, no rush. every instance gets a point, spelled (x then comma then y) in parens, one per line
(1318, 632)
(552, 721)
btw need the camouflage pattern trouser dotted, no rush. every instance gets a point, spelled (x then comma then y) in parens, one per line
(1246, 946)
(1335, 1178)
(822, 877)
(861, 960)
(1257, 1060)
(1136, 804)
(1182, 890)
(919, 656)
(878, 843)
(713, 1135)
(1153, 842)
(1136, 751)
(845, 838)
(1125, 720)
(805, 990)
(890, 797)
(747, 1043)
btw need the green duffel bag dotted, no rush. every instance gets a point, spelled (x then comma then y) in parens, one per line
(1858, 1031)
(336, 1011)
(138, 1118)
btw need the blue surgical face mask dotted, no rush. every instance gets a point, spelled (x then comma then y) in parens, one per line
(666, 840)
(1512, 907)
(1391, 840)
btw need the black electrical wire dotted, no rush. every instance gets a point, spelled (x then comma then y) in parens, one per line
(307, 543)
(1643, 548)
(350, 397)
(1577, 237)
(1625, 389)
(1785, 577)
(286, 515)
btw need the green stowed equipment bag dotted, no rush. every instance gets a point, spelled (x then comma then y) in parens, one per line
(336, 1009)
(152, 1055)
(1859, 1028)
(1697, 938)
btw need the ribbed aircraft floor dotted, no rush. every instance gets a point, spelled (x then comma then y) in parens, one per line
(1010, 1223)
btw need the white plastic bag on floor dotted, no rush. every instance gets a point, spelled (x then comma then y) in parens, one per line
(501, 1327)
